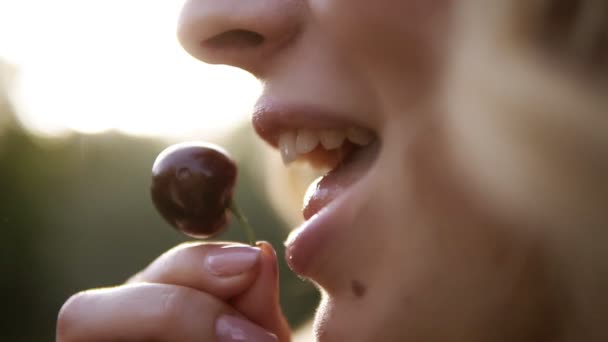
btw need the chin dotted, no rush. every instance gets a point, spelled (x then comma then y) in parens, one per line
(333, 324)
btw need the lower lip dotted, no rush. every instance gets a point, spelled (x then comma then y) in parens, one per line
(333, 208)
(307, 243)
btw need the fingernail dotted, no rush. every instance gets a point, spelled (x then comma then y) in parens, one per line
(231, 260)
(234, 329)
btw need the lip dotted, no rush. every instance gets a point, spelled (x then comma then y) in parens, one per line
(309, 244)
(333, 206)
(333, 184)
(315, 234)
(271, 118)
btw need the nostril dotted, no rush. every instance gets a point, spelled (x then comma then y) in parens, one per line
(234, 39)
(242, 34)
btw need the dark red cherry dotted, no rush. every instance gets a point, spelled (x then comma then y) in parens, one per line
(192, 187)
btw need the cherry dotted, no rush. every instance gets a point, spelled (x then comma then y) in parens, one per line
(192, 188)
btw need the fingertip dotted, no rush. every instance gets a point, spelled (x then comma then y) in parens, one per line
(65, 318)
(261, 302)
(268, 250)
(221, 269)
(265, 245)
(232, 260)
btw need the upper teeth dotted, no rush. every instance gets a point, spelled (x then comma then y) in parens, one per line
(301, 141)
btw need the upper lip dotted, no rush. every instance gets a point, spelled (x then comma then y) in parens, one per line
(270, 119)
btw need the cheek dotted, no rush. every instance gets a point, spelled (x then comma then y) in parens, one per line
(425, 252)
(397, 45)
(380, 25)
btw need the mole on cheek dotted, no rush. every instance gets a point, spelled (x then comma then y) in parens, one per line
(358, 288)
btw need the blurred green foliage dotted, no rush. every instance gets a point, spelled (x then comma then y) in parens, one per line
(75, 214)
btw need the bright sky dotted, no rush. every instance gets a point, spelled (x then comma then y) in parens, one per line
(91, 66)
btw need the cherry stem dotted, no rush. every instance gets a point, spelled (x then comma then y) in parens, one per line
(236, 211)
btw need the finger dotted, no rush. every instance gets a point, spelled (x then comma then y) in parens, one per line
(260, 302)
(152, 312)
(222, 270)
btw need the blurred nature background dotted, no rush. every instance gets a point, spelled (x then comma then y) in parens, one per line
(90, 93)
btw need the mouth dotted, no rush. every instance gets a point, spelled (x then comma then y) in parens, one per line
(340, 147)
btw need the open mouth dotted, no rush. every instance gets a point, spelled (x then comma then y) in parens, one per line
(342, 150)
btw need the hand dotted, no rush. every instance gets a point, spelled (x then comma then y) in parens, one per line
(193, 292)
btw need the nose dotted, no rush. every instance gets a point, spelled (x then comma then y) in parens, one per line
(241, 33)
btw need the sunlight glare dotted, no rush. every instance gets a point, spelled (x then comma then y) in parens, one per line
(92, 66)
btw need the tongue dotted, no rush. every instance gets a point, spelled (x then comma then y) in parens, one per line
(325, 189)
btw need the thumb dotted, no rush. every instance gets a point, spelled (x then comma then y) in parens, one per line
(260, 303)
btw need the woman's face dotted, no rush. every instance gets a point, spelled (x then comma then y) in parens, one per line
(399, 245)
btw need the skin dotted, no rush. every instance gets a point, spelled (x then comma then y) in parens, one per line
(444, 247)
